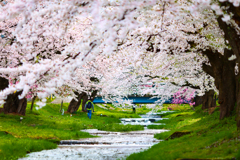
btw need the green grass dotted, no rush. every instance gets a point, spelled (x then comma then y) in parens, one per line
(120, 112)
(142, 110)
(115, 112)
(175, 107)
(44, 128)
(156, 126)
(13, 148)
(209, 137)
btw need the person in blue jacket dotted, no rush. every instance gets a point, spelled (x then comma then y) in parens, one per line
(90, 107)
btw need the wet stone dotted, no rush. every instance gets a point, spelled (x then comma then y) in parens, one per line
(152, 120)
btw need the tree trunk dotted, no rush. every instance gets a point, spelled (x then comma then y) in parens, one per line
(238, 102)
(227, 93)
(224, 74)
(198, 100)
(15, 105)
(34, 97)
(61, 107)
(85, 99)
(12, 103)
(233, 38)
(208, 100)
(22, 105)
(93, 95)
(74, 105)
(3, 83)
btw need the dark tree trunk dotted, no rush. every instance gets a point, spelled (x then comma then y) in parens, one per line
(238, 102)
(93, 95)
(224, 74)
(208, 100)
(61, 107)
(1, 110)
(198, 100)
(85, 99)
(227, 92)
(22, 105)
(234, 41)
(15, 105)
(74, 105)
(3, 83)
(34, 97)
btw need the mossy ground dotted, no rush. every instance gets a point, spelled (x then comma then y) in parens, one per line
(44, 128)
(210, 137)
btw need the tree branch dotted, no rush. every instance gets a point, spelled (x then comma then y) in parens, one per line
(208, 69)
(186, 85)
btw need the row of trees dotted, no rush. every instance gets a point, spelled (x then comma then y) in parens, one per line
(55, 47)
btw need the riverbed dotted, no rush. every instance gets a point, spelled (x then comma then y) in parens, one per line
(108, 146)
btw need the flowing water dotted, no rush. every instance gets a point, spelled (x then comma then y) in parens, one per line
(110, 146)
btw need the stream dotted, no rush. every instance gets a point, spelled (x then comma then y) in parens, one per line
(109, 146)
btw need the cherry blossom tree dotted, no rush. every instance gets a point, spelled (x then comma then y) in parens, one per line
(155, 37)
(224, 67)
(45, 30)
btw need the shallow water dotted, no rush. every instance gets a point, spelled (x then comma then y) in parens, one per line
(110, 146)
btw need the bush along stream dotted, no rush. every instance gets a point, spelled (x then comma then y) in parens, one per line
(194, 135)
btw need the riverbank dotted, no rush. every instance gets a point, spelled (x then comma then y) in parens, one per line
(44, 128)
(194, 135)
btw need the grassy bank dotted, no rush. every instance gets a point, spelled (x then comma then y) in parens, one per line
(127, 112)
(44, 128)
(209, 137)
